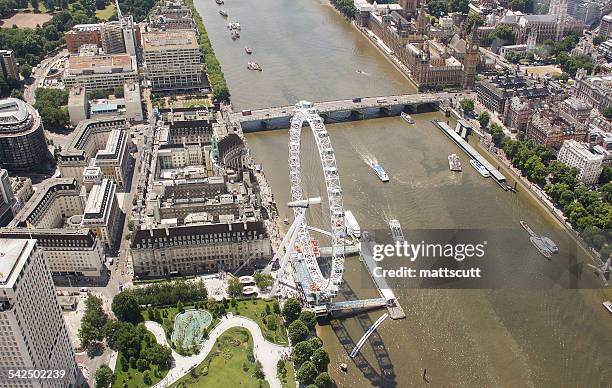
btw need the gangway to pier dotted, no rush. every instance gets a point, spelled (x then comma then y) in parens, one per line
(357, 304)
(367, 334)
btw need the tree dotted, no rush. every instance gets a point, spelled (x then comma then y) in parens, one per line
(291, 310)
(323, 380)
(467, 105)
(126, 308)
(502, 34)
(460, 6)
(525, 6)
(103, 376)
(234, 287)
(92, 324)
(25, 70)
(159, 355)
(606, 175)
(307, 373)
(309, 319)
(320, 359)
(142, 364)
(297, 331)
(437, 8)
(258, 373)
(281, 370)
(35, 4)
(302, 352)
(146, 378)
(599, 39)
(607, 112)
(180, 307)
(118, 92)
(483, 119)
(473, 21)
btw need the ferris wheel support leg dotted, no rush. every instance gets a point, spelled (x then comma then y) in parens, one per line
(288, 242)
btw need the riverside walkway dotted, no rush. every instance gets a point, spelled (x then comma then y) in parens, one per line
(343, 110)
(265, 351)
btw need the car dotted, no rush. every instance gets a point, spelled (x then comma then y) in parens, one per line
(84, 289)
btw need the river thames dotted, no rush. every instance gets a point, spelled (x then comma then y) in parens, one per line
(536, 323)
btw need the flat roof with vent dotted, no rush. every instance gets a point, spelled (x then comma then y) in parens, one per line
(12, 251)
(164, 40)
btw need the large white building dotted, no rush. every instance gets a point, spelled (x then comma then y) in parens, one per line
(102, 212)
(172, 60)
(33, 335)
(578, 155)
(99, 142)
(100, 72)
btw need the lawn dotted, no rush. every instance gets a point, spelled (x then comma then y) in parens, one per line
(256, 311)
(289, 380)
(132, 378)
(107, 12)
(230, 364)
(197, 103)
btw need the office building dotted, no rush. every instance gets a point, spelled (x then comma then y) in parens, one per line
(83, 34)
(594, 90)
(133, 102)
(577, 154)
(171, 16)
(172, 60)
(7, 199)
(33, 335)
(23, 146)
(605, 28)
(97, 142)
(78, 105)
(100, 72)
(552, 126)
(494, 92)
(112, 38)
(102, 213)
(9, 65)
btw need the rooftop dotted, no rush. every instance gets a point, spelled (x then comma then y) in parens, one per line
(163, 40)
(99, 61)
(13, 111)
(12, 251)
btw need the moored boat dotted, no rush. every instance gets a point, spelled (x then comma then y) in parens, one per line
(234, 26)
(248, 50)
(220, 2)
(254, 66)
(223, 13)
(608, 305)
(454, 162)
(482, 170)
(541, 246)
(235, 34)
(407, 118)
(550, 244)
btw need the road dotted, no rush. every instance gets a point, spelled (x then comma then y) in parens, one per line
(29, 92)
(266, 352)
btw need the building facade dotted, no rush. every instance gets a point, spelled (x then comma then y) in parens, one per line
(100, 72)
(102, 213)
(198, 248)
(577, 154)
(594, 90)
(8, 64)
(23, 146)
(33, 335)
(82, 34)
(172, 60)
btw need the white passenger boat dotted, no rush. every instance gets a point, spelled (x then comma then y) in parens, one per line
(482, 170)
(382, 175)
(254, 66)
(407, 118)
